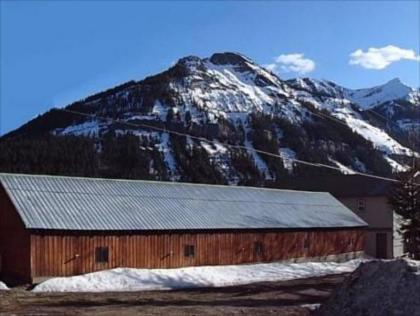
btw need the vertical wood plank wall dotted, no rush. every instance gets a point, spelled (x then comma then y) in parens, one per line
(64, 255)
(14, 243)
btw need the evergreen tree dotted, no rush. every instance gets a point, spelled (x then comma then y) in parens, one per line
(405, 200)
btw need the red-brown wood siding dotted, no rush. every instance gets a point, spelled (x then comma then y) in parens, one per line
(61, 254)
(14, 242)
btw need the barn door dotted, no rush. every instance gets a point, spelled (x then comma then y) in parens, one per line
(381, 245)
(77, 264)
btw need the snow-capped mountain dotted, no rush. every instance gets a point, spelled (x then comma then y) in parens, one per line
(393, 108)
(233, 101)
(390, 91)
(393, 90)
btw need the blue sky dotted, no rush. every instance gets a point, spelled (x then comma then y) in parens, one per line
(55, 52)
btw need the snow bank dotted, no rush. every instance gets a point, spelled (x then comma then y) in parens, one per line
(125, 279)
(3, 286)
(383, 287)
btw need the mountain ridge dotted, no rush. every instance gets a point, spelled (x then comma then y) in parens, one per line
(230, 99)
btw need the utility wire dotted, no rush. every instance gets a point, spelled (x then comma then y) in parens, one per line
(308, 163)
(386, 119)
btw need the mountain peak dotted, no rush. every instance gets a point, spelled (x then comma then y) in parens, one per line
(229, 58)
(394, 89)
(397, 83)
(190, 64)
(395, 80)
(190, 60)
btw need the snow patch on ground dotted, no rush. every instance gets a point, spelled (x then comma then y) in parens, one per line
(396, 167)
(141, 118)
(344, 169)
(311, 307)
(160, 110)
(408, 125)
(168, 157)
(359, 166)
(220, 156)
(88, 128)
(214, 148)
(127, 279)
(287, 155)
(3, 286)
(259, 162)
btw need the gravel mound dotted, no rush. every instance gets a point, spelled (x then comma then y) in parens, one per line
(3, 286)
(383, 287)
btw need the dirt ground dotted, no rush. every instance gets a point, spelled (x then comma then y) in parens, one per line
(268, 298)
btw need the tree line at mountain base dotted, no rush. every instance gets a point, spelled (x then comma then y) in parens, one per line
(128, 156)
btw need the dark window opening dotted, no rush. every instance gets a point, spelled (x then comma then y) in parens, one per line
(258, 248)
(306, 243)
(361, 205)
(381, 245)
(189, 251)
(101, 254)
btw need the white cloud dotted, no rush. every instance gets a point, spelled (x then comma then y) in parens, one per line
(292, 63)
(271, 67)
(380, 58)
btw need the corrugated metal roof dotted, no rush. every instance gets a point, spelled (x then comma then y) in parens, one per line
(69, 203)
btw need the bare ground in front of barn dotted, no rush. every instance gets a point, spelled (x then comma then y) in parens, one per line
(267, 298)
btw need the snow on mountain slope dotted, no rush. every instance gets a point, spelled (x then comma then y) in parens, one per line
(343, 168)
(288, 155)
(165, 147)
(392, 90)
(220, 97)
(318, 87)
(219, 155)
(328, 96)
(378, 137)
(230, 83)
(88, 128)
(364, 98)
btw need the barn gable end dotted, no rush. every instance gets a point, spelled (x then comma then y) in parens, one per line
(14, 242)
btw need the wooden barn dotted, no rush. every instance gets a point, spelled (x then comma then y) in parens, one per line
(60, 226)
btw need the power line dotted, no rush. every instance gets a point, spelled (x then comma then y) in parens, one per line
(164, 130)
(386, 119)
(337, 120)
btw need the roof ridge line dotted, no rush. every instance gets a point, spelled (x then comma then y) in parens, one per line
(156, 181)
(165, 197)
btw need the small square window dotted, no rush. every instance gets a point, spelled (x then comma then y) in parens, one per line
(361, 205)
(189, 250)
(258, 248)
(101, 254)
